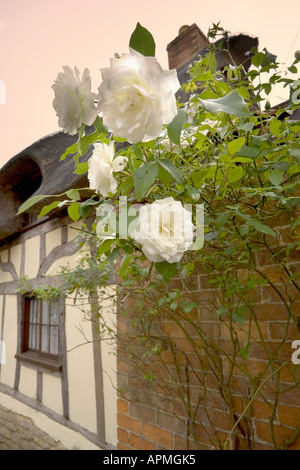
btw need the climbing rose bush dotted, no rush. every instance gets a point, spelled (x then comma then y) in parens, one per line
(137, 97)
(102, 166)
(74, 102)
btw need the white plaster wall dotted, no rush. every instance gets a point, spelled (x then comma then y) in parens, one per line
(74, 230)
(70, 261)
(28, 381)
(32, 256)
(80, 369)
(53, 239)
(52, 394)
(10, 339)
(4, 256)
(69, 438)
(15, 257)
(4, 275)
(109, 364)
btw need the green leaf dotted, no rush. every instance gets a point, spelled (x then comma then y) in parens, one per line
(89, 202)
(105, 246)
(87, 140)
(241, 160)
(144, 177)
(73, 211)
(124, 264)
(167, 270)
(235, 145)
(193, 192)
(69, 150)
(84, 211)
(81, 168)
(138, 152)
(126, 186)
(188, 269)
(222, 219)
(240, 314)
(295, 152)
(244, 352)
(249, 152)
(111, 258)
(232, 103)
(293, 69)
(276, 177)
(235, 173)
(172, 170)
(247, 127)
(175, 127)
(48, 208)
(142, 41)
(263, 228)
(73, 194)
(30, 202)
(98, 124)
(164, 176)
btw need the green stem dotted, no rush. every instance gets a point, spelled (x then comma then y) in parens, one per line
(250, 402)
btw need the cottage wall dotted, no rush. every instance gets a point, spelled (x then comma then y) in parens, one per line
(72, 396)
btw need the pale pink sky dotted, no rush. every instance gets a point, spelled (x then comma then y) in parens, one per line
(38, 37)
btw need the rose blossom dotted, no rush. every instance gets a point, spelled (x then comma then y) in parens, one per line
(74, 101)
(137, 97)
(102, 165)
(164, 229)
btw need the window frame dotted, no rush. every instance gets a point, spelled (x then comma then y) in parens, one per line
(37, 357)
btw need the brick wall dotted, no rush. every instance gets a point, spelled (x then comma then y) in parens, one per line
(18, 432)
(196, 389)
(185, 46)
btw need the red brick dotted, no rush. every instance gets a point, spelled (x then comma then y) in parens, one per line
(123, 436)
(142, 412)
(283, 330)
(156, 434)
(281, 433)
(123, 447)
(129, 423)
(270, 312)
(290, 374)
(170, 422)
(261, 410)
(122, 405)
(289, 415)
(139, 443)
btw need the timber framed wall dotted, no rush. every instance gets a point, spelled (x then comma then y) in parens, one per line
(80, 393)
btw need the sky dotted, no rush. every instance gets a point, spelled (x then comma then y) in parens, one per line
(39, 37)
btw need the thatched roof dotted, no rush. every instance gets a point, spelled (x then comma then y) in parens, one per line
(36, 170)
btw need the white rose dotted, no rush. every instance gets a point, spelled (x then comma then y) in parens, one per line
(165, 230)
(74, 101)
(102, 165)
(137, 97)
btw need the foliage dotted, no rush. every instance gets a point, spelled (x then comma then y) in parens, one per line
(227, 151)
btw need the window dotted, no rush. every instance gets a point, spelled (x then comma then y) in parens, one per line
(40, 332)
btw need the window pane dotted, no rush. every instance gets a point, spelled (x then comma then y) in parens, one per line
(45, 339)
(54, 340)
(33, 311)
(45, 313)
(54, 313)
(32, 337)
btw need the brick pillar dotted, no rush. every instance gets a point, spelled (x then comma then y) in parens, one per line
(185, 46)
